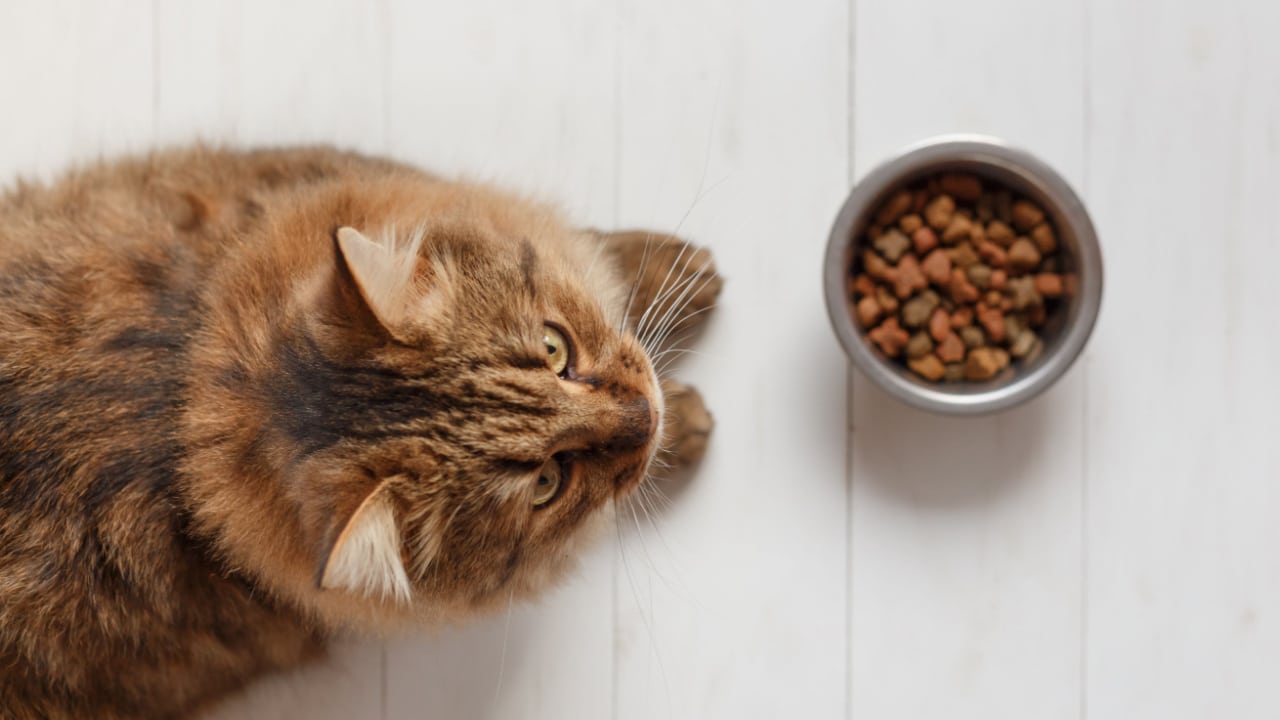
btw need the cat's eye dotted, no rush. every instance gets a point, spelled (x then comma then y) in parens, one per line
(550, 478)
(557, 349)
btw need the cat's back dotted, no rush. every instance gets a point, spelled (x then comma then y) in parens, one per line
(100, 293)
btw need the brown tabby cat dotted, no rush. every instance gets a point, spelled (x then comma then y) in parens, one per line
(248, 399)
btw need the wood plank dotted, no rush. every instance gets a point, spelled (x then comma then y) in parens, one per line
(734, 114)
(966, 533)
(522, 95)
(65, 103)
(272, 73)
(1183, 461)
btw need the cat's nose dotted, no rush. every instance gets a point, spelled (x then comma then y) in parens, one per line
(636, 424)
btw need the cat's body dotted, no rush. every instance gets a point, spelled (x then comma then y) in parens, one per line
(230, 423)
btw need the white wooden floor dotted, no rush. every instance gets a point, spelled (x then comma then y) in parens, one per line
(1111, 550)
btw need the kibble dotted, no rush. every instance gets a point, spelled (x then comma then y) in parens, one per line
(917, 310)
(924, 239)
(928, 367)
(951, 349)
(893, 243)
(955, 278)
(868, 312)
(919, 345)
(909, 279)
(939, 211)
(1026, 215)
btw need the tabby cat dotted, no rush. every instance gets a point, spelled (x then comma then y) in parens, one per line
(249, 399)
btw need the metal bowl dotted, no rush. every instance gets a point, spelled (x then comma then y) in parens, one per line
(1068, 327)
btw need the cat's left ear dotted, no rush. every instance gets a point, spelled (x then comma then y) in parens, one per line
(363, 551)
(384, 276)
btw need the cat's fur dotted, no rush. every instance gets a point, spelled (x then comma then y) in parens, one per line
(248, 399)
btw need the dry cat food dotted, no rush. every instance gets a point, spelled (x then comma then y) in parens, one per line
(954, 278)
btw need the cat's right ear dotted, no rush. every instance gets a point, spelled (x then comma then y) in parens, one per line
(383, 276)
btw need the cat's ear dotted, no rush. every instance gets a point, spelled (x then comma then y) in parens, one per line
(384, 276)
(363, 556)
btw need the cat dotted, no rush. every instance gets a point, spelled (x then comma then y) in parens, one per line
(249, 399)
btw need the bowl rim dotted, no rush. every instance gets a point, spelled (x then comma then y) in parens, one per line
(962, 149)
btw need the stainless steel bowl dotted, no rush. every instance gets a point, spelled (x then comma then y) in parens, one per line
(1068, 328)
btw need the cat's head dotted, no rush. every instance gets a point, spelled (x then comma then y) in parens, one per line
(459, 405)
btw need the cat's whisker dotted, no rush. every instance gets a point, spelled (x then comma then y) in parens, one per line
(662, 670)
(676, 305)
(675, 314)
(635, 285)
(676, 318)
(643, 329)
(640, 324)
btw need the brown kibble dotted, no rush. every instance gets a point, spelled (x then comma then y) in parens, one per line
(909, 278)
(1026, 215)
(863, 284)
(1023, 343)
(1023, 255)
(1014, 324)
(928, 367)
(937, 267)
(916, 311)
(982, 364)
(977, 233)
(1000, 233)
(940, 324)
(874, 265)
(992, 321)
(972, 336)
(919, 345)
(951, 348)
(964, 255)
(957, 278)
(897, 205)
(962, 186)
(1042, 235)
(1023, 293)
(993, 254)
(886, 299)
(956, 230)
(979, 275)
(939, 211)
(890, 337)
(925, 239)
(1049, 284)
(962, 291)
(868, 312)
(892, 244)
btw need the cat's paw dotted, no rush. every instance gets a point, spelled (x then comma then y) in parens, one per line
(673, 283)
(686, 424)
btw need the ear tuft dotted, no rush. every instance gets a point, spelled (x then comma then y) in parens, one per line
(365, 559)
(384, 275)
